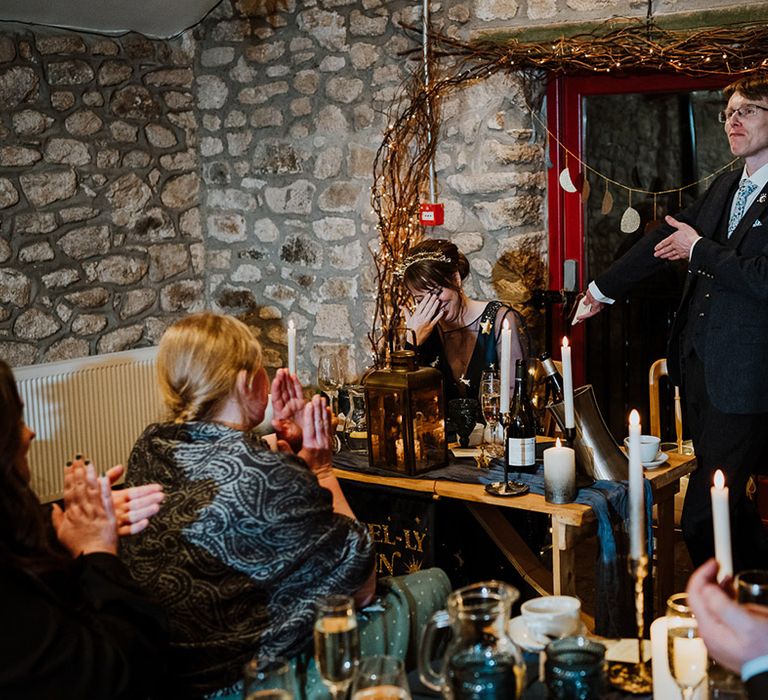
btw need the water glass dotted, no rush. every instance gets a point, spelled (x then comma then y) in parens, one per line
(380, 678)
(337, 644)
(575, 669)
(752, 586)
(266, 678)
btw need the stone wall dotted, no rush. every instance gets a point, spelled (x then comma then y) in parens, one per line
(231, 168)
(100, 240)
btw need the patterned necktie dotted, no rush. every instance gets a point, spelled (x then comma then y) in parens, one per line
(746, 188)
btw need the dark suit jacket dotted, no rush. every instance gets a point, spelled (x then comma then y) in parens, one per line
(735, 352)
(757, 687)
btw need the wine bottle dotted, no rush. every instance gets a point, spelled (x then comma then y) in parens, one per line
(521, 432)
(554, 380)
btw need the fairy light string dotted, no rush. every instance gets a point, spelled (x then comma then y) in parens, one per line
(619, 47)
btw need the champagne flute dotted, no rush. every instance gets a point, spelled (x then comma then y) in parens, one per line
(337, 644)
(380, 678)
(266, 678)
(490, 393)
(685, 648)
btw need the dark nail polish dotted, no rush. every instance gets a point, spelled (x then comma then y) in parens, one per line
(87, 461)
(69, 464)
(78, 456)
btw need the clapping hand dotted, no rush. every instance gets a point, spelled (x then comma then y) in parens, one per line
(287, 406)
(317, 444)
(88, 523)
(133, 506)
(424, 318)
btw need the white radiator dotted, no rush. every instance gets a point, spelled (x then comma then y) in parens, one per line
(96, 406)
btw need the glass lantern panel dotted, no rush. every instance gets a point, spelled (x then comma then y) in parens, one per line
(428, 428)
(386, 429)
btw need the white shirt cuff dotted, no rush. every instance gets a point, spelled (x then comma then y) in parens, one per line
(753, 667)
(690, 252)
(594, 290)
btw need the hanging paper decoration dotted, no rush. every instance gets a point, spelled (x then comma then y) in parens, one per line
(607, 201)
(630, 219)
(585, 189)
(565, 180)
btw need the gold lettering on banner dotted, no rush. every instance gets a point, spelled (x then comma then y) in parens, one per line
(375, 530)
(388, 564)
(386, 539)
(419, 536)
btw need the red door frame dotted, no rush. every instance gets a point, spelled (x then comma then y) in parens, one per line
(565, 210)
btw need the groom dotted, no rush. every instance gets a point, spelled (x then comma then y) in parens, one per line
(718, 348)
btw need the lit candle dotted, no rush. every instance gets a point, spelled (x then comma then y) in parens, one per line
(721, 520)
(559, 474)
(636, 494)
(506, 359)
(570, 420)
(291, 347)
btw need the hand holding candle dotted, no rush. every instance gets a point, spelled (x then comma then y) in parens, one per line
(506, 359)
(636, 490)
(721, 520)
(570, 420)
(291, 347)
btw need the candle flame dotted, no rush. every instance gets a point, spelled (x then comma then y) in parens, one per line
(505, 325)
(557, 443)
(719, 479)
(291, 324)
(565, 341)
(634, 417)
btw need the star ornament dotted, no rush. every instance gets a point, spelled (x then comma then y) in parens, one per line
(485, 327)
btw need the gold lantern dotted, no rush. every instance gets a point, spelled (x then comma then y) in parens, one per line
(406, 416)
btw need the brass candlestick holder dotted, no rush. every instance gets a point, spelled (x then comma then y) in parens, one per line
(506, 488)
(635, 678)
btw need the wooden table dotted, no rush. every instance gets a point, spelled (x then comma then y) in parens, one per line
(570, 523)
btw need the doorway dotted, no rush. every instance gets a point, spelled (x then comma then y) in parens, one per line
(654, 134)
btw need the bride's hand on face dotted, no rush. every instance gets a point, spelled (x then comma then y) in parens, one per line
(317, 444)
(424, 317)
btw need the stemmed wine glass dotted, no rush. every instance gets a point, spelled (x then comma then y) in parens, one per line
(489, 404)
(685, 648)
(380, 678)
(337, 644)
(330, 377)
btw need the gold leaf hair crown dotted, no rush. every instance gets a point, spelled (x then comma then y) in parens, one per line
(424, 256)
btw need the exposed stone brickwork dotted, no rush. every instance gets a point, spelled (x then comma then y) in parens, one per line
(97, 165)
(231, 169)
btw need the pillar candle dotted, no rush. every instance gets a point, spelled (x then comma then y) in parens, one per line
(636, 493)
(721, 521)
(291, 347)
(664, 686)
(570, 421)
(506, 359)
(559, 474)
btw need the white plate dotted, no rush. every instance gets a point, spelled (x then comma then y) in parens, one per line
(663, 457)
(522, 636)
(518, 630)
